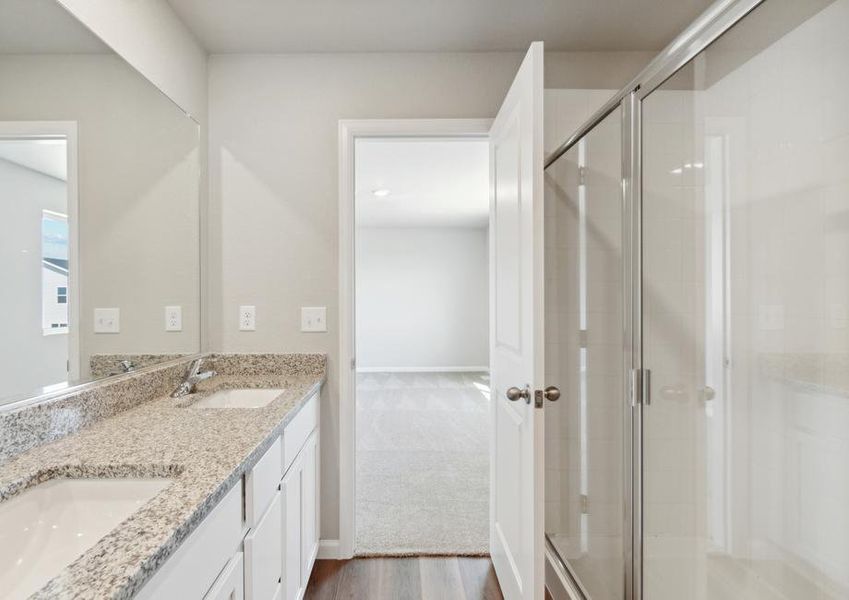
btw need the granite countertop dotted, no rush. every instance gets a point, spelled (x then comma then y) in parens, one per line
(205, 451)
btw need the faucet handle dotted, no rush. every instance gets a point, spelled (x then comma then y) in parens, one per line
(194, 367)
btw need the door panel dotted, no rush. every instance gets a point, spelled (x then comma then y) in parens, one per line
(516, 284)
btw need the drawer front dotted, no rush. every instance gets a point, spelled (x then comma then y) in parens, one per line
(261, 483)
(298, 430)
(230, 585)
(191, 571)
(263, 555)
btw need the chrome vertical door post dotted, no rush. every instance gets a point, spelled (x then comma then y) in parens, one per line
(632, 350)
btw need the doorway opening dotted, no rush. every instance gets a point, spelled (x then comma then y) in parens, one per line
(38, 193)
(422, 345)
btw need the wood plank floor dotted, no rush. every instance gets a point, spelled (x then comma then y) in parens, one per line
(416, 578)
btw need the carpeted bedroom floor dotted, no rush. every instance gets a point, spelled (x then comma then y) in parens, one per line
(422, 464)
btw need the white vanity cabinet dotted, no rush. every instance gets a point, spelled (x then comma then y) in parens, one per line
(299, 502)
(281, 546)
(260, 542)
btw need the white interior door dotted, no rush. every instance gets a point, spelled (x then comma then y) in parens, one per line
(516, 333)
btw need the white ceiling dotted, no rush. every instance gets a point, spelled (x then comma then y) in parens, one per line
(45, 156)
(432, 183)
(434, 25)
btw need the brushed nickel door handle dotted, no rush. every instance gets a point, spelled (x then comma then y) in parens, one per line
(552, 393)
(513, 394)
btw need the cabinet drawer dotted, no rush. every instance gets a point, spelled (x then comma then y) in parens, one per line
(230, 585)
(264, 555)
(261, 483)
(194, 567)
(298, 430)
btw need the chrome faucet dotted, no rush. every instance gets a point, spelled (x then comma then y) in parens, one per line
(192, 378)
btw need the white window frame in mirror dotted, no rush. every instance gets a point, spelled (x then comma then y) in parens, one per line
(21, 130)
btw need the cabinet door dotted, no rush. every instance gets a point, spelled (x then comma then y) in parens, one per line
(291, 515)
(309, 508)
(230, 585)
(263, 555)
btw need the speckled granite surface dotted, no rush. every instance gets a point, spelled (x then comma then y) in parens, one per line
(104, 365)
(30, 426)
(204, 451)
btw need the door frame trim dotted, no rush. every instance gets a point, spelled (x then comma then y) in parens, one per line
(349, 131)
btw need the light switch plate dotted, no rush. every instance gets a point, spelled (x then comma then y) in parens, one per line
(107, 320)
(313, 318)
(173, 318)
(247, 318)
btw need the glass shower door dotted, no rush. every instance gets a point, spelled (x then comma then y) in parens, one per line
(745, 299)
(584, 344)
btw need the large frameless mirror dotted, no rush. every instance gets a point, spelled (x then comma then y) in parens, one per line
(99, 210)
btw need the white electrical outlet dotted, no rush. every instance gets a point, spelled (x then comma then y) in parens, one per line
(173, 318)
(247, 318)
(107, 320)
(313, 318)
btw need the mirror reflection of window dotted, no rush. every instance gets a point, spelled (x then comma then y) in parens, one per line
(54, 272)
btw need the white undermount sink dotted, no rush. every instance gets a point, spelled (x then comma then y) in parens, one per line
(238, 398)
(49, 526)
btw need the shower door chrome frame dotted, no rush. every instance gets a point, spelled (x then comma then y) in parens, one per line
(632, 446)
(701, 33)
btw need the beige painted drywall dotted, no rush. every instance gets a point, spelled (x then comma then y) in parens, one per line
(273, 146)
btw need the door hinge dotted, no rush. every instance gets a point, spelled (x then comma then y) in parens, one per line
(582, 175)
(585, 504)
(353, 364)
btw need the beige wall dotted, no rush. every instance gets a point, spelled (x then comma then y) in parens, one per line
(274, 190)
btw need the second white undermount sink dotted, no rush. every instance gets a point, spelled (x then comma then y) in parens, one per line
(48, 527)
(238, 398)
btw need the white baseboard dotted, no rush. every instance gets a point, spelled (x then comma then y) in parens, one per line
(329, 550)
(420, 369)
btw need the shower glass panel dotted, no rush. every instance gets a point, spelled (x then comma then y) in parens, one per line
(584, 342)
(745, 155)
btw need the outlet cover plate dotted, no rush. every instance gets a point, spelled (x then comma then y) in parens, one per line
(173, 318)
(247, 318)
(107, 320)
(314, 319)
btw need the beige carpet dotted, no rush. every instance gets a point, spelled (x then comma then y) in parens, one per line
(422, 464)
